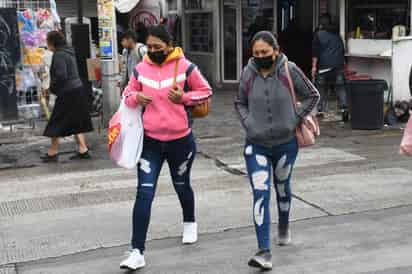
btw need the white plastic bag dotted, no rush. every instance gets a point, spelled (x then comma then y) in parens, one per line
(126, 136)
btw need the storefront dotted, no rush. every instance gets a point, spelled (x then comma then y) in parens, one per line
(374, 31)
(216, 33)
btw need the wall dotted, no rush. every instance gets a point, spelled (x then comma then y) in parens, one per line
(304, 13)
(68, 8)
(401, 67)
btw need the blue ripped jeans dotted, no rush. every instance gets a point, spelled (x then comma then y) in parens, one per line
(261, 162)
(180, 155)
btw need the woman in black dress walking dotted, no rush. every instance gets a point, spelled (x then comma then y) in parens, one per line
(71, 112)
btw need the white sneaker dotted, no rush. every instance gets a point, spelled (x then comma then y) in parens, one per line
(134, 261)
(189, 233)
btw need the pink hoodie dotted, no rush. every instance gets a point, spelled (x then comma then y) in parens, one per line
(164, 120)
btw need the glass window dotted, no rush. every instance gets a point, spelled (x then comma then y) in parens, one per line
(174, 25)
(200, 31)
(375, 19)
(230, 40)
(256, 16)
(198, 4)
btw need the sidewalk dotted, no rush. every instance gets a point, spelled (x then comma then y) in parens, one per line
(357, 243)
(352, 198)
(22, 148)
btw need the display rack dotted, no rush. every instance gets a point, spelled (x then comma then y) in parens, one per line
(28, 98)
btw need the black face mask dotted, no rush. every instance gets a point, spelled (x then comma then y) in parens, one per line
(158, 57)
(264, 62)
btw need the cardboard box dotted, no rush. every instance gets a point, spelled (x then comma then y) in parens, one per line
(94, 69)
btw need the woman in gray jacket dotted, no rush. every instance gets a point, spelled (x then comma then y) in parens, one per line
(269, 117)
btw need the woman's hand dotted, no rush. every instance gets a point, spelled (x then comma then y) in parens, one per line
(45, 93)
(176, 95)
(313, 74)
(143, 99)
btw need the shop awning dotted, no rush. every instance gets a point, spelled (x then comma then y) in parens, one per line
(125, 6)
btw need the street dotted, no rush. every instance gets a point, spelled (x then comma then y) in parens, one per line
(352, 209)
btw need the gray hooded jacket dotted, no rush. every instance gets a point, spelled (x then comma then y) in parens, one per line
(132, 58)
(64, 74)
(265, 106)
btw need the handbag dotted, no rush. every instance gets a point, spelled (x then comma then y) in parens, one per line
(200, 110)
(307, 131)
(406, 145)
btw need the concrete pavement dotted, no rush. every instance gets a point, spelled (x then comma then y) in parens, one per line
(355, 243)
(352, 196)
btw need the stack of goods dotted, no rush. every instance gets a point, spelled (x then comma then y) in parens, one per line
(353, 75)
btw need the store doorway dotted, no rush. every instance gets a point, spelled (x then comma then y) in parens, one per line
(230, 30)
(257, 15)
(295, 28)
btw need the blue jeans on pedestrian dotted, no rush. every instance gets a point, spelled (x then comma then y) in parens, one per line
(179, 155)
(262, 164)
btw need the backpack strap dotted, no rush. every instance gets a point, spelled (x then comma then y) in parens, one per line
(139, 49)
(186, 88)
(189, 71)
(136, 74)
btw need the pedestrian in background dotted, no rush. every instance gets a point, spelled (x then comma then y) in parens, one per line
(133, 53)
(328, 60)
(165, 83)
(70, 115)
(267, 112)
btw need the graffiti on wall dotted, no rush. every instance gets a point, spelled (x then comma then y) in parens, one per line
(146, 12)
(9, 57)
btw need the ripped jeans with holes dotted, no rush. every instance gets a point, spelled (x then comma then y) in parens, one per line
(263, 164)
(179, 155)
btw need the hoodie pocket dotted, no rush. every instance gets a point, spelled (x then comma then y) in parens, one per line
(251, 130)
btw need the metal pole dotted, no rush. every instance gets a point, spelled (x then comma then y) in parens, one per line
(111, 92)
(80, 11)
(110, 70)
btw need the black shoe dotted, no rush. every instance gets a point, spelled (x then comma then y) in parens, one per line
(46, 158)
(262, 260)
(81, 156)
(284, 235)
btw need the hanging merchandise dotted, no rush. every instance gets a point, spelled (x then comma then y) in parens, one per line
(29, 80)
(33, 56)
(35, 20)
(44, 20)
(40, 37)
(26, 21)
(27, 38)
(54, 12)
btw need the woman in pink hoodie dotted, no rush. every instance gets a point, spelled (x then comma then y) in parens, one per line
(168, 133)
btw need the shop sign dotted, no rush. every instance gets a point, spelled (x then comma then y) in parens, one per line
(107, 26)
